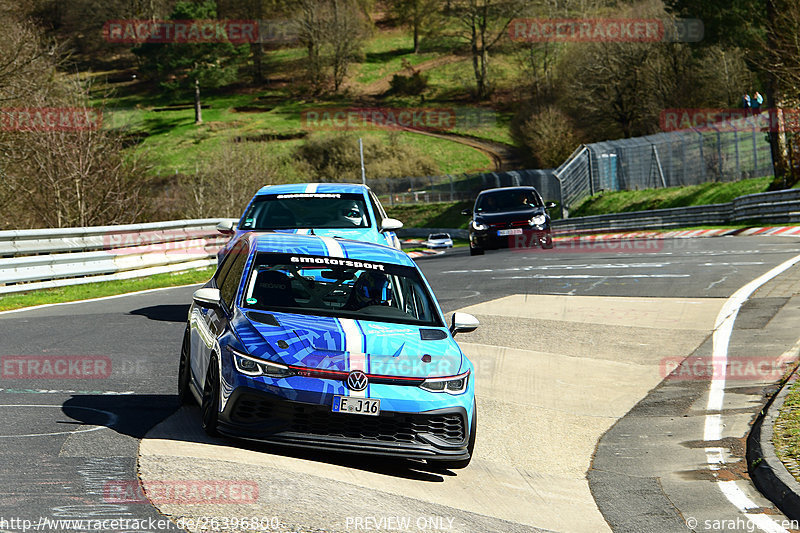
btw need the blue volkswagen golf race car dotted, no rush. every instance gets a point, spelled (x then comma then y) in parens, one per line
(343, 210)
(329, 343)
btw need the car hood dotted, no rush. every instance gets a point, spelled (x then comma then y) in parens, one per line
(510, 216)
(355, 234)
(328, 343)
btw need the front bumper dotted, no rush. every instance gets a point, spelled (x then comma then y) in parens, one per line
(252, 414)
(488, 239)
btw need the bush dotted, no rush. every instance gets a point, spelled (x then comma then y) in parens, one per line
(549, 136)
(413, 85)
(336, 158)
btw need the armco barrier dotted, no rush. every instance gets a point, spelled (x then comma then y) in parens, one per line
(45, 258)
(779, 207)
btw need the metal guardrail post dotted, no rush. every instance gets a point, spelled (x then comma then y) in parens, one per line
(658, 167)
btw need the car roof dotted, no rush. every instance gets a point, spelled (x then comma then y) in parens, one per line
(294, 188)
(292, 243)
(520, 188)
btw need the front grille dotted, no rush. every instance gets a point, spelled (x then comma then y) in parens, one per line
(515, 224)
(321, 422)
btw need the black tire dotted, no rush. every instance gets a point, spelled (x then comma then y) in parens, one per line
(547, 242)
(185, 396)
(475, 251)
(463, 463)
(209, 409)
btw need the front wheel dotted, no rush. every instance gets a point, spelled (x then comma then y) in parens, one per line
(210, 406)
(475, 251)
(547, 242)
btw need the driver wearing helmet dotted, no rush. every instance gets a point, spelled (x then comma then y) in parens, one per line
(371, 288)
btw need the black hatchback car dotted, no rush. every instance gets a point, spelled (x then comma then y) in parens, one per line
(509, 217)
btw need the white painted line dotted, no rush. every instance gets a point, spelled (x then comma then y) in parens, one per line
(713, 423)
(588, 276)
(68, 391)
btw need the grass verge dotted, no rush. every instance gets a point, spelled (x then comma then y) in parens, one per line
(104, 288)
(786, 435)
(703, 194)
(435, 215)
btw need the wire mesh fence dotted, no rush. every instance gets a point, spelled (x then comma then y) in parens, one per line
(713, 152)
(671, 159)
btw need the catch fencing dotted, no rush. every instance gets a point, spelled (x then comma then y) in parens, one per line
(712, 153)
(47, 258)
(672, 159)
(766, 208)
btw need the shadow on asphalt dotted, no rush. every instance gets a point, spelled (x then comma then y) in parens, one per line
(164, 313)
(138, 414)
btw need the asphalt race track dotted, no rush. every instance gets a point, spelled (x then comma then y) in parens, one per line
(590, 416)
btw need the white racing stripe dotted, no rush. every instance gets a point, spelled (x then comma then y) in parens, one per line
(714, 424)
(354, 344)
(311, 187)
(353, 338)
(334, 248)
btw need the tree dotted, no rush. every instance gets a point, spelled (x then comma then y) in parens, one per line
(178, 65)
(420, 15)
(333, 32)
(482, 24)
(782, 68)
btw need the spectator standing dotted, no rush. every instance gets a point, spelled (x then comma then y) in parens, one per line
(746, 103)
(756, 102)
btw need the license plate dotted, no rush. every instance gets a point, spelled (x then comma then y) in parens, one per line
(504, 232)
(356, 406)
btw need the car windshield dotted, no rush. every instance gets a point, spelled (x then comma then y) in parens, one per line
(339, 287)
(513, 200)
(306, 210)
(439, 236)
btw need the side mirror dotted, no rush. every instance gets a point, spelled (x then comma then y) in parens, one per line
(391, 224)
(226, 227)
(207, 298)
(463, 323)
(466, 212)
(550, 205)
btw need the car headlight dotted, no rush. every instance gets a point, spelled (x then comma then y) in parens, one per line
(451, 384)
(251, 366)
(538, 220)
(478, 226)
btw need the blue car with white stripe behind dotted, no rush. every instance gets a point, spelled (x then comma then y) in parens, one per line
(329, 343)
(343, 210)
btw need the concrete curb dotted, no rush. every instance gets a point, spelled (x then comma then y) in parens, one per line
(767, 471)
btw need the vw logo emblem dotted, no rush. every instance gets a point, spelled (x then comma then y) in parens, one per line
(357, 380)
